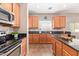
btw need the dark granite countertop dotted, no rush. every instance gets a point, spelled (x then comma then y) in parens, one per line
(74, 44)
(47, 32)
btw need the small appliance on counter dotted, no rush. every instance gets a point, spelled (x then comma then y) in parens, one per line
(67, 36)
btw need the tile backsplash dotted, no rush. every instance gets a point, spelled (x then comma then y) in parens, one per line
(6, 29)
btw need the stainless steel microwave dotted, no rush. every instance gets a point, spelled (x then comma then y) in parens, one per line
(5, 16)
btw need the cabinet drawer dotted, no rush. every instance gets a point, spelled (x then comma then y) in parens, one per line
(71, 51)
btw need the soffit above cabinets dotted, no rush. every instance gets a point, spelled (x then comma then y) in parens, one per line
(53, 7)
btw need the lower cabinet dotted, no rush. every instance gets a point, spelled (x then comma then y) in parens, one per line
(53, 45)
(58, 48)
(43, 38)
(35, 38)
(39, 38)
(61, 49)
(30, 38)
(65, 53)
(49, 38)
(68, 51)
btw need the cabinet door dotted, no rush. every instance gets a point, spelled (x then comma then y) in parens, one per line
(65, 53)
(56, 22)
(62, 21)
(23, 47)
(35, 21)
(35, 38)
(53, 45)
(43, 38)
(49, 38)
(7, 6)
(59, 50)
(30, 22)
(30, 38)
(59, 21)
(16, 11)
(69, 50)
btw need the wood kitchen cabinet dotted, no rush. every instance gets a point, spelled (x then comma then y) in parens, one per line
(16, 11)
(43, 38)
(53, 40)
(33, 38)
(59, 22)
(23, 47)
(6, 6)
(61, 49)
(67, 51)
(33, 22)
(30, 22)
(62, 21)
(39, 38)
(58, 48)
(30, 38)
(49, 38)
(36, 38)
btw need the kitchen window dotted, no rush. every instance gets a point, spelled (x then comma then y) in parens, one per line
(74, 27)
(45, 25)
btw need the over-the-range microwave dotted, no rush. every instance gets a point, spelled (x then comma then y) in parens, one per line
(6, 17)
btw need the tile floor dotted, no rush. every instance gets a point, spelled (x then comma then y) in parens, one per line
(41, 50)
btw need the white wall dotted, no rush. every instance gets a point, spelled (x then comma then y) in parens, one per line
(23, 18)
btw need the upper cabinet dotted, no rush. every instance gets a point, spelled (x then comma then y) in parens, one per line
(59, 22)
(7, 6)
(33, 22)
(16, 11)
(30, 22)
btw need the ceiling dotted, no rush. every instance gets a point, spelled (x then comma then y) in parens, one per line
(53, 7)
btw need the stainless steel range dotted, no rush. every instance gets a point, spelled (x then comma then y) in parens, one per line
(7, 42)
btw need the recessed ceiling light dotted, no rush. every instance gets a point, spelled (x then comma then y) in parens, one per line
(65, 6)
